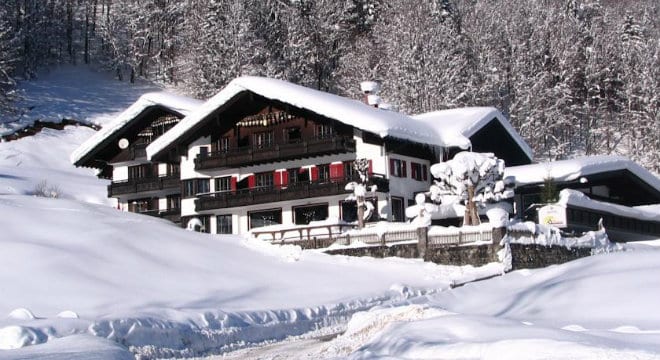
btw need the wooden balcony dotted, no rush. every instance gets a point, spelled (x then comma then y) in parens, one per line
(173, 215)
(302, 190)
(277, 152)
(134, 186)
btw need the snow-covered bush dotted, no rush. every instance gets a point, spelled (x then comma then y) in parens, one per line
(44, 189)
(472, 179)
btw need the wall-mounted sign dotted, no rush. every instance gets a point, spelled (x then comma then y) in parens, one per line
(554, 215)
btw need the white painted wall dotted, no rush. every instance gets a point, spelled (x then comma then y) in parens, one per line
(119, 173)
(188, 162)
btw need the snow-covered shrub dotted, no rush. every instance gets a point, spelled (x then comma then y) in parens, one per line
(45, 189)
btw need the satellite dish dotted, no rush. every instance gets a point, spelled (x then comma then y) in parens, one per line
(123, 143)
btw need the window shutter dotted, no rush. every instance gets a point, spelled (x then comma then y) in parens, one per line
(392, 171)
(414, 167)
(234, 180)
(425, 173)
(285, 177)
(371, 168)
(252, 181)
(277, 178)
(404, 167)
(336, 171)
(315, 173)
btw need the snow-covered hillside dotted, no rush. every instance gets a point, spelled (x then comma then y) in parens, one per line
(81, 280)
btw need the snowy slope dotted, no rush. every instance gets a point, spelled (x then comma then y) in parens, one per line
(144, 282)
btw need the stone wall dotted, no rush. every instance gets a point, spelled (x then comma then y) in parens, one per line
(476, 255)
(537, 256)
(380, 251)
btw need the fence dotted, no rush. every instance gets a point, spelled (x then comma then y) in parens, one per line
(460, 236)
(323, 236)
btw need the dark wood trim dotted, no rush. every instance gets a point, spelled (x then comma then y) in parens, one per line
(135, 186)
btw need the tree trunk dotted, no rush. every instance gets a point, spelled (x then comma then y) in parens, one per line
(360, 211)
(471, 216)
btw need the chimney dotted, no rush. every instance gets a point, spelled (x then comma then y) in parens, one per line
(370, 90)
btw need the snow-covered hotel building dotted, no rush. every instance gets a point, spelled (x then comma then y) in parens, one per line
(265, 151)
(118, 151)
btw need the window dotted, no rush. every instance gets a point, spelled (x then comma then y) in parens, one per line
(173, 169)
(398, 213)
(418, 172)
(298, 175)
(263, 139)
(223, 224)
(264, 218)
(141, 171)
(203, 186)
(349, 210)
(222, 144)
(203, 151)
(195, 186)
(173, 202)
(141, 205)
(324, 131)
(188, 188)
(292, 134)
(324, 172)
(303, 215)
(264, 180)
(397, 168)
(223, 184)
(349, 170)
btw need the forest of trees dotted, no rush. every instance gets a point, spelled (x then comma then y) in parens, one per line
(574, 76)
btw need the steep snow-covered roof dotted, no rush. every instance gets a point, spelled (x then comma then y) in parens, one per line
(176, 103)
(351, 112)
(467, 121)
(573, 169)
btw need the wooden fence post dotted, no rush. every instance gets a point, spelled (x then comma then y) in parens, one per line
(498, 235)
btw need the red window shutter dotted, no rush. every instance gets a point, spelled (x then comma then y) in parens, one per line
(425, 173)
(336, 171)
(391, 166)
(371, 167)
(277, 178)
(413, 170)
(285, 177)
(233, 183)
(315, 173)
(252, 181)
(404, 171)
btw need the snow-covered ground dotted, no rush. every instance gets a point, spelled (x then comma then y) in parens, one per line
(81, 280)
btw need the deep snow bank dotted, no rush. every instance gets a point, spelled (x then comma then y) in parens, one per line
(145, 283)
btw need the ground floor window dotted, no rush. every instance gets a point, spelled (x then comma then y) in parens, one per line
(349, 210)
(173, 202)
(223, 223)
(264, 218)
(199, 223)
(303, 215)
(142, 205)
(398, 213)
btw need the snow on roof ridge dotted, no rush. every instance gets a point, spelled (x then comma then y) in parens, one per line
(174, 102)
(349, 111)
(468, 120)
(577, 198)
(573, 169)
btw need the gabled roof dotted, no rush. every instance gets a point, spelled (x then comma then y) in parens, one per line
(468, 121)
(573, 169)
(180, 105)
(348, 111)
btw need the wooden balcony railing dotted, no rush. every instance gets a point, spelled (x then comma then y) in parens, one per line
(145, 184)
(277, 152)
(264, 195)
(173, 215)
